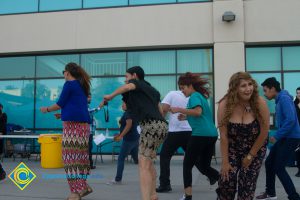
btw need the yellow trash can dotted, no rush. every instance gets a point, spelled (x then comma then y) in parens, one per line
(51, 150)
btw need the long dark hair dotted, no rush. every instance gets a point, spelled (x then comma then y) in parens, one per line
(199, 83)
(80, 74)
(138, 70)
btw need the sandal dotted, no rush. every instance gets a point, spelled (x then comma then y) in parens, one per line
(86, 192)
(74, 196)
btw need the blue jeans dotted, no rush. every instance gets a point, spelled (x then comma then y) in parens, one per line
(275, 164)
(127, 147)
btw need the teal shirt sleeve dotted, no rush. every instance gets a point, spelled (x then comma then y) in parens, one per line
(194, 101)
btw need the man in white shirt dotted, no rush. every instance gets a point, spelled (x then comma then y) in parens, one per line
(178, 136)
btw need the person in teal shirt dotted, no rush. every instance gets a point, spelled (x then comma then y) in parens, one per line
(201, 144)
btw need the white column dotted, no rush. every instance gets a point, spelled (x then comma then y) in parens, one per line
(229, 39)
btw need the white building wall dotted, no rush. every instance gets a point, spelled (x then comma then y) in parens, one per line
(270, 21)
(113, 28)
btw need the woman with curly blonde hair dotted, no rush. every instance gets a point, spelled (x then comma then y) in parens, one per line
(243, 121)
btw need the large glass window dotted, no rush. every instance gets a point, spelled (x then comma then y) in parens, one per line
(47, 93)
(198, 60)
(102, 86)
(17, 6)
(17, 98)
(291, 58)
(104, 63)
(263, 59)
(291, 82)
(153, 62)
(28, 6)
(17, 67)
(163, 84)
(103, 3)
(48, 5)
(192, 0)
(282, 62)
(52, 66)
(143, 2)
(28, 83)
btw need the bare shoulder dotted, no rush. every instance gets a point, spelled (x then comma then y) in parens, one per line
(261, 101)
(222, 103)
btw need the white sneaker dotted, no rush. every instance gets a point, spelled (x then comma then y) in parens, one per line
(114, 182)
(183, 197)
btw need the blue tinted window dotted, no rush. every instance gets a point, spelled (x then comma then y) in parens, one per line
(141, 2)
(291, 82)
(104, 63)
(163, 84)
(101, 87)
(260, 77)
(199, 60)
(17, 6)
(17, 99)
(192, 0)
(52, 66)
(291, 58)
(47, 94)
(14, 93)
(153, 62)
(104, 3)
(263, 59)
(47, 5)
(17, 67)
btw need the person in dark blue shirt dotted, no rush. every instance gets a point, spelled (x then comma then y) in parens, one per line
(130, 143)
(76, 129)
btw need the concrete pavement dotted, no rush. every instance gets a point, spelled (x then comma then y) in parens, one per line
(51, 184)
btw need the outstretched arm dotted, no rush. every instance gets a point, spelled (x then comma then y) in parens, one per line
(54, 107)
(124, 88)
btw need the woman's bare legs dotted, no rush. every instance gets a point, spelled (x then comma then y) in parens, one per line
(146, 177)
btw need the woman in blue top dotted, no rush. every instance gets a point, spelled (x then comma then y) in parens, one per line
(75, 116)
(204, 133)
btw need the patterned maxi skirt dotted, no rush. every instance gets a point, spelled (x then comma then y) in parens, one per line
(75, 154)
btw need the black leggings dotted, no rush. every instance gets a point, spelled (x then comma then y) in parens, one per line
(202, 148)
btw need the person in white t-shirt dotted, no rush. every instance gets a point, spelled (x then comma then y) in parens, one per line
(178, 136)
